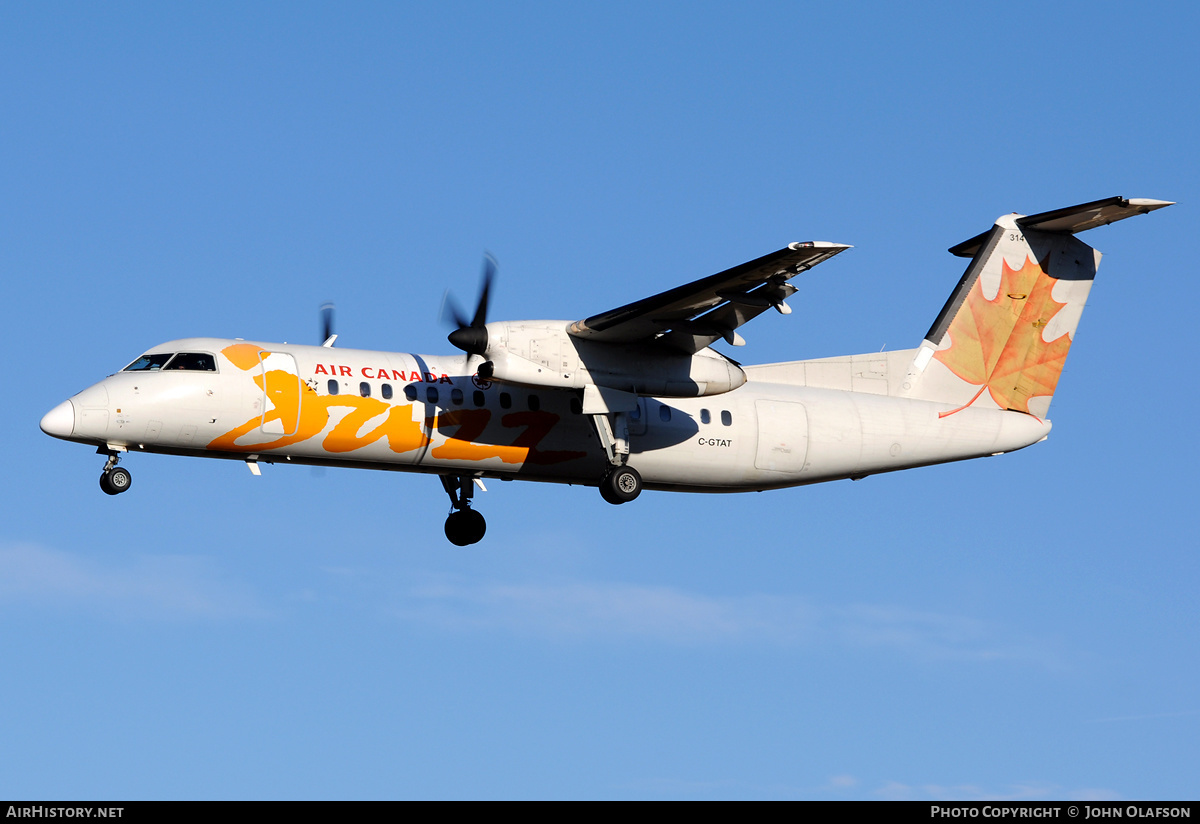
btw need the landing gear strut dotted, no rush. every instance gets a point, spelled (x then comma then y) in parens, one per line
(464, 526)
(114, 480)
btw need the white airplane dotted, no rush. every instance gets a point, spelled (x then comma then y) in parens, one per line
(632, 397)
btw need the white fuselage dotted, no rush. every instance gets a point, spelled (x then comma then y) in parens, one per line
(388, 410)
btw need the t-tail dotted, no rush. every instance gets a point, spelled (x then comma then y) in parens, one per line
(1003, 336)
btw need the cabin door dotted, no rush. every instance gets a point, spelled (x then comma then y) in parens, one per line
(782, 436)
(281, 393)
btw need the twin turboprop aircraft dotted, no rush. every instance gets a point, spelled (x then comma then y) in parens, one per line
(633, 397)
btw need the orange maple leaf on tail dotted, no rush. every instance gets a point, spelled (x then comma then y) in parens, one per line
(997, 344)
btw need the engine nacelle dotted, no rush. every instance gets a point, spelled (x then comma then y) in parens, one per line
(541, 353)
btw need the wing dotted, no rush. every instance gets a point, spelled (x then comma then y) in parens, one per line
(692, 316)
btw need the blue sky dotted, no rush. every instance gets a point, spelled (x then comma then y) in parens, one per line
(1022, 627)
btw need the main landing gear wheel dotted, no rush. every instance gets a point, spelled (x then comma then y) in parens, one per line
(115, 481)
(621, 485)
(465, 527)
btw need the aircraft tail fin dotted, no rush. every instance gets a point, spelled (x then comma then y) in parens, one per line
(1002, 338)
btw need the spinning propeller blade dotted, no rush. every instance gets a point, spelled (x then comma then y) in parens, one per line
(327, 335)
(471, 337)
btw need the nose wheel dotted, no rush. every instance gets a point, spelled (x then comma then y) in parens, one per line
(114, 479)
(464, 526)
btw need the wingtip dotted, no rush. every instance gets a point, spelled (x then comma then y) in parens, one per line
(1149, 204)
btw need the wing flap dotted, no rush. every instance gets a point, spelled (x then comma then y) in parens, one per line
(692, 316)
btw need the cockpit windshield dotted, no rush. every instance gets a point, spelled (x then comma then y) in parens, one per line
(193, 362)
(149, 363)
(168, 361)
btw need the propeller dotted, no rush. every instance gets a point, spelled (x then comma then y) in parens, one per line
(327, 335)
(471, 337)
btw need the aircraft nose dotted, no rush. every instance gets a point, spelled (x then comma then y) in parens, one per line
(59, 421)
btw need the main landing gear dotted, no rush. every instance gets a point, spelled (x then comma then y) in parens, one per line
(621, 483)
(114, 480)
(464, 526)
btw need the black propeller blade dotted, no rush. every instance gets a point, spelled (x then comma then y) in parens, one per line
(472, 337)
(327, 324)
(451, 314)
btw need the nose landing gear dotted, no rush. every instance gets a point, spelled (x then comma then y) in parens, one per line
(464, 526)
(114, 479)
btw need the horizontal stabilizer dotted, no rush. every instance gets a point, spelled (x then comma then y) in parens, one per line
(1072, 219)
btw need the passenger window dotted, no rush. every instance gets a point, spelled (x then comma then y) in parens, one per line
(431, 394)
(364, 389)
(148, 363)
(705, 416)
(478, 398)
(726, 418)
(664, 413)
(456, 396)
(333, 386)
(192, 362)
(410, 392)
(386, 391)
(505, 400)
(534, 403)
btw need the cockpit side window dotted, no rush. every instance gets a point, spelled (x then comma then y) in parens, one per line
(193, 362)
(149, 363)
